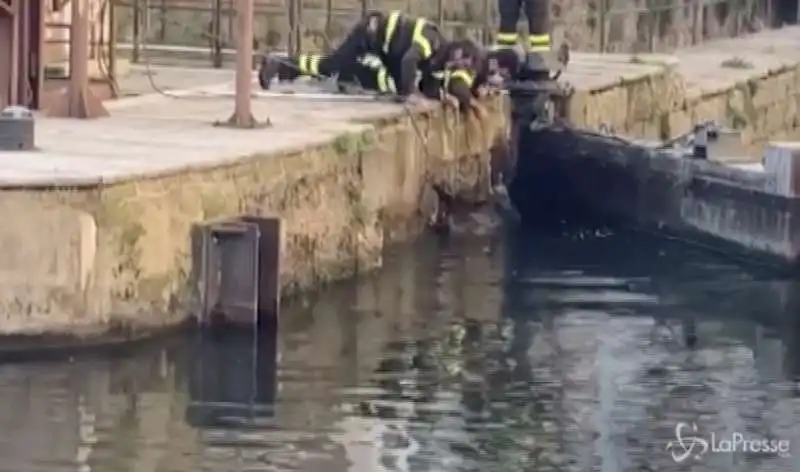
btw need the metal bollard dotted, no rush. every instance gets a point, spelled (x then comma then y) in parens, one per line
(700, 142)
(16, 129)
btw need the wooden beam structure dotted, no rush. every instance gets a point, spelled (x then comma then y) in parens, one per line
(77, 100)
(21, 73)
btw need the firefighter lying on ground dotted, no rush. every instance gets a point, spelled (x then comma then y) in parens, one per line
(457, 83)
(404, 45)
(450, 85)
(466, 78)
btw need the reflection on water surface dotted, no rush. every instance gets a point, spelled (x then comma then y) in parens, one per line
(493, 353)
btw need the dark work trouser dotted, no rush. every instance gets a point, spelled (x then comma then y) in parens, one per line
(404, 66)
(369, 78)
(538, 14)
(339, 61)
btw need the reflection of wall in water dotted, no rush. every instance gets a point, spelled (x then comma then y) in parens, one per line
(40, 407)
(92, 413)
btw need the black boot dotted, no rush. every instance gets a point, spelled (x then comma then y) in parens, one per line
(283, 67)
(267, 71)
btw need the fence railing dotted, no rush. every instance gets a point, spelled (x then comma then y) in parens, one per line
(318, 25)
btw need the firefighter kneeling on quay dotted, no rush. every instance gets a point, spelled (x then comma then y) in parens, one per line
(396, 55)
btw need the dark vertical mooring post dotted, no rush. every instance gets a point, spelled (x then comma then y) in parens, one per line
(77, 101)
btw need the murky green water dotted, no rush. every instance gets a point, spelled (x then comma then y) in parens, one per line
(487, 353)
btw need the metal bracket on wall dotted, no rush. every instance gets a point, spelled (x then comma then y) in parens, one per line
(238, 268)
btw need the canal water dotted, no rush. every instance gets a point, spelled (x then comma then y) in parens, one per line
(498, 352)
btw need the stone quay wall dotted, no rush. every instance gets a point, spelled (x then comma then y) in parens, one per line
(115, 258)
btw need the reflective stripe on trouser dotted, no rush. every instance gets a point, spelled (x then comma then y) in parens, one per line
(418, 36)
(539, 42)
(385, 81)
(509, 12)
(309, 64)
(506, 40)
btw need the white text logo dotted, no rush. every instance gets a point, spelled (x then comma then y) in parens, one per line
(688, 444)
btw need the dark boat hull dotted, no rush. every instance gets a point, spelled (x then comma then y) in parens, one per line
(578, 177)
(566, 175)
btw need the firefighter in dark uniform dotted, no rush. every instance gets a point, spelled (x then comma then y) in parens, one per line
(405, 45)
(457, 82)
(370, 74)
(538, 14)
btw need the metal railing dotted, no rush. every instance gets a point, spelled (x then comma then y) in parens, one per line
(208, 27)
(668, 24)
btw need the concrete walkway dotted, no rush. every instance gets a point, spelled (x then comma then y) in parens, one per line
(153, 133)
(720, 64)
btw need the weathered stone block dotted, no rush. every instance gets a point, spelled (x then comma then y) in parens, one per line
(578, 107)
(678, 123)
(643, 99)
(101, 257)
(47, 268)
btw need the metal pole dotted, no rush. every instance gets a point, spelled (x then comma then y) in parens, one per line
(16, 14)
(112, 42)
(137, 19)
(292, 13)
(112, 49)
(27, 14)
(243, 115)
(37, 48)
(328, 25)
(298, 5)
(216, 35)
(162, 18)
(78, 53)
(601, 19)
(78, 101)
